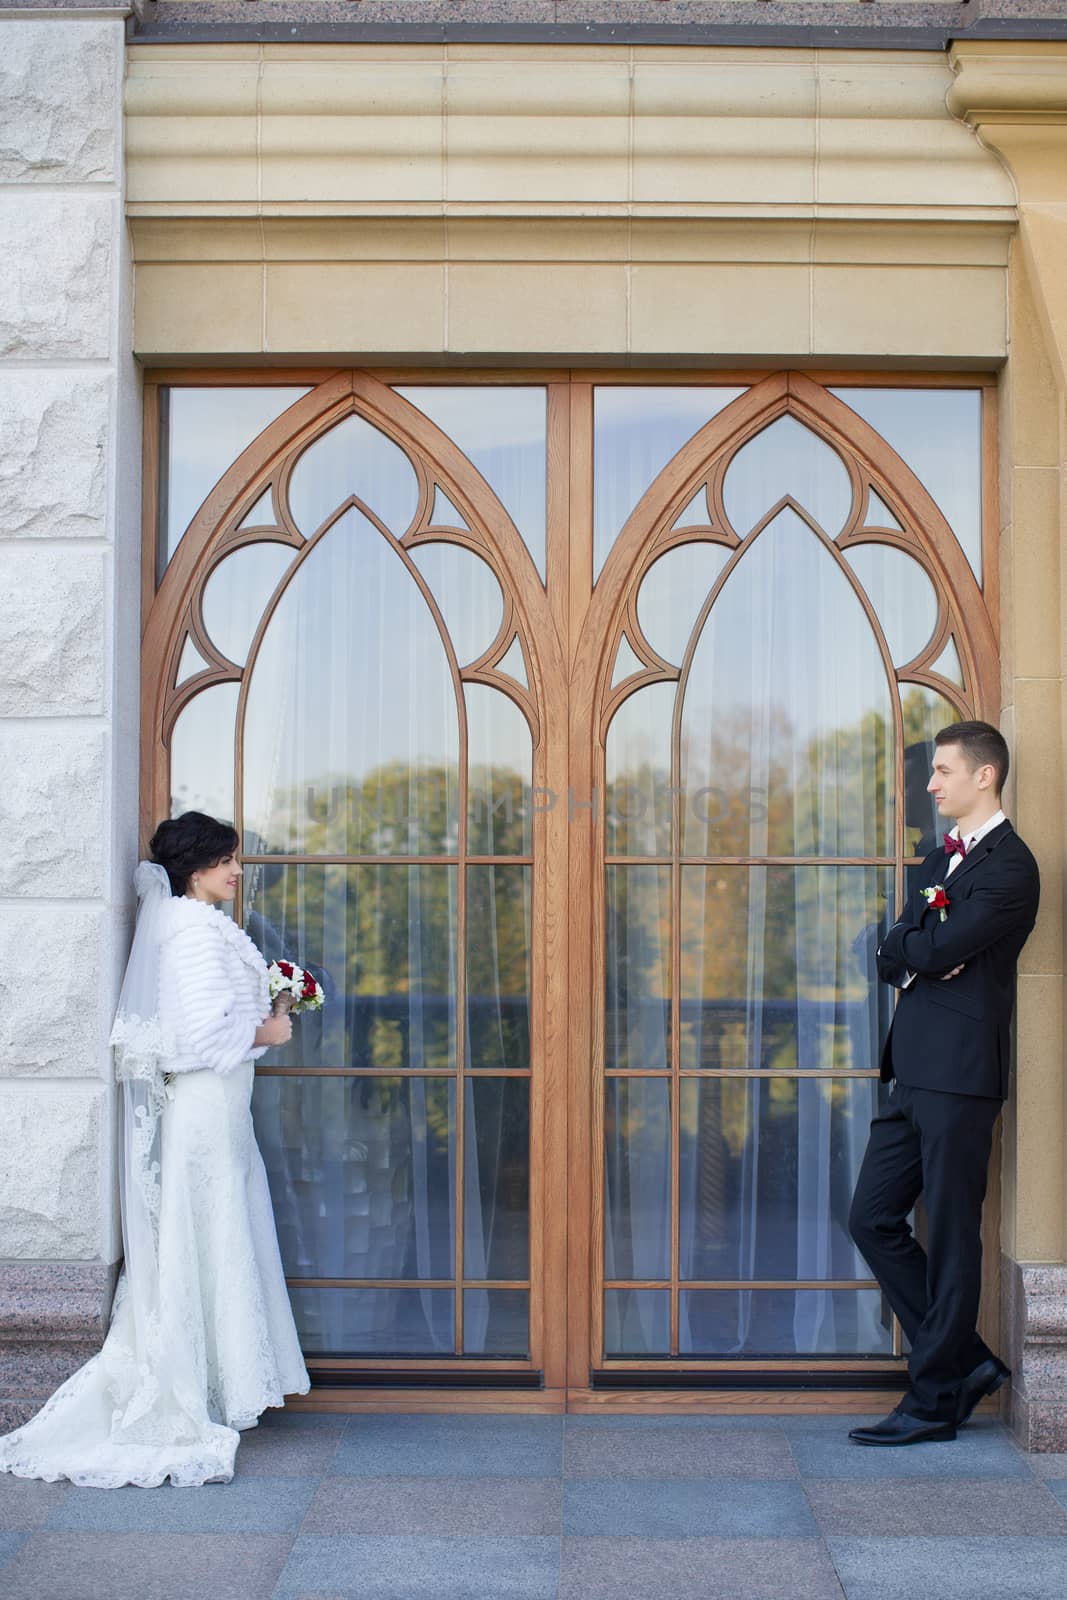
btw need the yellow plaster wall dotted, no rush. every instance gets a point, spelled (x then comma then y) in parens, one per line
(1015, 96)
(502, 202)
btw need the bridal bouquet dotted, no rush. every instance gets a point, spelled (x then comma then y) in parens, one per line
(292, 989)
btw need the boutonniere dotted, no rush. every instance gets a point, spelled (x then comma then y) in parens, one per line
(937, 899)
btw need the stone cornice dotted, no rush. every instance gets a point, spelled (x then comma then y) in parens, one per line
(217, 130)
(1017, 81)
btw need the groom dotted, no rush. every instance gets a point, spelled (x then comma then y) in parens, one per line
(953, 956)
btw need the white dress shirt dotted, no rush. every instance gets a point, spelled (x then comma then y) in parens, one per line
(972, 838)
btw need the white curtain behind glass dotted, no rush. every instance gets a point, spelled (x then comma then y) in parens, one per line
(352, 748)
(787, 741)
(787, 750)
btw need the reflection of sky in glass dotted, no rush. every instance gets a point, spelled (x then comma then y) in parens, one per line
(208, 429)
(636, 431)
(201, 753)
(353, 458)
(786, 458)
(938, 433)
(502, 431)
(236, 595)
(672, 593)
(902, 595)
(466, 589)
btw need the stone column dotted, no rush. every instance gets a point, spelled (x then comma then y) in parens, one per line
(69, 625)
(1015, 95)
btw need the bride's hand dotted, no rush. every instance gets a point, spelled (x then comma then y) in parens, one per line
(275, 1031)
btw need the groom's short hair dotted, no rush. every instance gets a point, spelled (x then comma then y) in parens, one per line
(982, 746)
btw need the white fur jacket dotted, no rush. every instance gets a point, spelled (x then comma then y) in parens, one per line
(213, 990)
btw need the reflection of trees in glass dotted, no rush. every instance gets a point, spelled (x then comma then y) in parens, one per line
(399, 809)
(774, 959)
(925, 713)
(385, 934)
(396, 810)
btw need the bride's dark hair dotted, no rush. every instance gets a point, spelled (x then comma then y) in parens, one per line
(189, 843)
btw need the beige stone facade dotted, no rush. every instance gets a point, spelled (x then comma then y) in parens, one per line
(602, 205)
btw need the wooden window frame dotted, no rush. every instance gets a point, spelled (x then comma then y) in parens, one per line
(567, 933)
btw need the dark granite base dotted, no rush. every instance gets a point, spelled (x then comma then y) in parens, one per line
(53, 1317)
(1034, 1320)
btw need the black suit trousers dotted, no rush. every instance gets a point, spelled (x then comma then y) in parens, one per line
(936, 1144)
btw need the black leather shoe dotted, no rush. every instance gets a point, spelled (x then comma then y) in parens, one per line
(901, 1428)
(986, 1378)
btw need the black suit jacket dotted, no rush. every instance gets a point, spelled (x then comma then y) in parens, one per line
(954, 1035)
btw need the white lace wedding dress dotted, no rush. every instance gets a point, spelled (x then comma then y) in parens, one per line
(203, 1341)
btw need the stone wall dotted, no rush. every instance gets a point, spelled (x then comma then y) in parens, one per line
(69, 575)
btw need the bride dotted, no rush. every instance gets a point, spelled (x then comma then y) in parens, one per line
(202, 1336)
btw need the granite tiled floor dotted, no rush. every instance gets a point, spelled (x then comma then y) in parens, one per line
(550, 1508)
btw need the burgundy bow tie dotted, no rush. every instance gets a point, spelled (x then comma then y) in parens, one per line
(954, 846)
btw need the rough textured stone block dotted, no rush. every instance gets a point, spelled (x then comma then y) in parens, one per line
(52, 642)
(59, 90)
(51, 811)
(62, 1038)
(54, 429)
(55, 291)
(50, 1145)
(1035, 1319)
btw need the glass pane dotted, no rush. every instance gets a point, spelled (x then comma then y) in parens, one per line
(637, 1163)
(938, 434)
(948, 663)
(778, 967)
(236, 595)
(879, 514)
(637, 1322)
(695, 514)
(353, 458)
(466, 589)
(672, 593)
(513, 663)
(787, 729)
(496, 1322)
(500, 766)
(382, 941)
(902, 595)
(375, 1322)
(627, 663)
(638, 978)
(768, 1167)
(204, 431)
(637, 801)
(443, 513)
(261, 514)
(496, 1208)
(498, 968)
(784, 1322)
(352, 728)
(190, 663)
(502, 431)
(925, 713)
(201, 753)
(636, 431)
(360, 1173)
(786, 458)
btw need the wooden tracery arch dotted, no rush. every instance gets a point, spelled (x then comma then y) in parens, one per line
(657, 525)
(265, 467)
